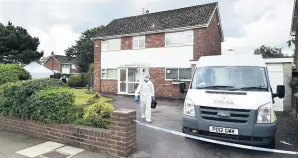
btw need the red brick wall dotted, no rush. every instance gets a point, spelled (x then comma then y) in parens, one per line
(155, 40)
(207, 41)
(109, 86)
(52, 64)
(120, 140)
(97, 65)
(126, 43)
(164, 88)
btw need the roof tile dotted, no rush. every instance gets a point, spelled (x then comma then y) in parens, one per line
(176, 18)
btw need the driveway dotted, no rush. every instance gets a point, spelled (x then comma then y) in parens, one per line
(157, 144)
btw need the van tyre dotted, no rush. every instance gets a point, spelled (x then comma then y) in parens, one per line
(183, 131)
(272, 144)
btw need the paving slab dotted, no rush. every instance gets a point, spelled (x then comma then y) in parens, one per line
(39, 149)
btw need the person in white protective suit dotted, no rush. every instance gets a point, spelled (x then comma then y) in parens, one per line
(146, 90)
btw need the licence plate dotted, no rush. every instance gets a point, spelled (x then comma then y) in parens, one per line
(223, 130)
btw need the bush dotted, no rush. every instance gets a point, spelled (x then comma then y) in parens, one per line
(12, 73)
(78, 80)
(95, 113)
(293, 83)
(54, 105)
(16, 98)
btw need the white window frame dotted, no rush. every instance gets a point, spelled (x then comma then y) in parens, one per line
(178, 73)
(105, 45)
(105, 70)
(186, 33)
(137, 38)
(66, 65)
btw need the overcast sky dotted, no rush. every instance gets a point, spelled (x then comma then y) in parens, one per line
(247, 24)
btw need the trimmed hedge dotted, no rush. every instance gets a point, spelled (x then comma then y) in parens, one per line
(95, 113)
(13, 73)
(16, 98)
(78, 80)
(55, 104)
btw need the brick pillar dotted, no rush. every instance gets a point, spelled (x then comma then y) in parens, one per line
(97, 65)
(124, 129)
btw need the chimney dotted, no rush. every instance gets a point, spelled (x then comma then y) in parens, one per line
(147, 12)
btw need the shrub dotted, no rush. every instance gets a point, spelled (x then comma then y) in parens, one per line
(293, 83)
(55, 105)
(12, 73)
(16, 98)
(95, 113)
(78, 80)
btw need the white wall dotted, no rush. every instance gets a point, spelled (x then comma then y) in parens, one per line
(155, 57)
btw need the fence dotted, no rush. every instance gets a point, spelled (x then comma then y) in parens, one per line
(295, 105)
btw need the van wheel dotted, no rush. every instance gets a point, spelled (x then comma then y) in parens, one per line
(183, 131)
(272, 144)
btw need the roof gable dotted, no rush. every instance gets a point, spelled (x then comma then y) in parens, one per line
(199, 15)
(62, 59)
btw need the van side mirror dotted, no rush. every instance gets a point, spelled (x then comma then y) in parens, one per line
(183, 87)
(280, 91)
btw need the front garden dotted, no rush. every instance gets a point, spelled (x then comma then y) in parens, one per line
(50, 100)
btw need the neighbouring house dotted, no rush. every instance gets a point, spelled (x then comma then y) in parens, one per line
(165, 44)
(62, 64)
(294, 29)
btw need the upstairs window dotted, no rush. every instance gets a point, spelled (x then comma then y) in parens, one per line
(179, 38)
(111, 45)
(138, 42)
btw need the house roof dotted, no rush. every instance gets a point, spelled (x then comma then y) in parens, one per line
(294, 18)
(63, 59)
(189, 17)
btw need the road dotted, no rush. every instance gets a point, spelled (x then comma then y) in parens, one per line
(158, 144)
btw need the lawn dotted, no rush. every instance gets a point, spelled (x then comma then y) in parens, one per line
(82, 97)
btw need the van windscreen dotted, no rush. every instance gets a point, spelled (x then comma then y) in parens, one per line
(230, 78)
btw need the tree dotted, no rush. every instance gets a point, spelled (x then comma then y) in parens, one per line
(17, 45)
(269, 52)
(83, 49)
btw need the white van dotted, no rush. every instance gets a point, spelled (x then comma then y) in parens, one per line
(230, 99)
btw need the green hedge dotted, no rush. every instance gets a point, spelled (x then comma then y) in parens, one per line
(49, 100)
(95, 113)
(12, 73)
(16, 98)
(78, 80)
(55, 104)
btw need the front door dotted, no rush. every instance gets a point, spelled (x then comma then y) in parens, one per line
(129, 78)
(133, 79)
(122, 80)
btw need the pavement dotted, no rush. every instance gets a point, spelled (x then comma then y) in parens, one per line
(14, 145)
(150, 142)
